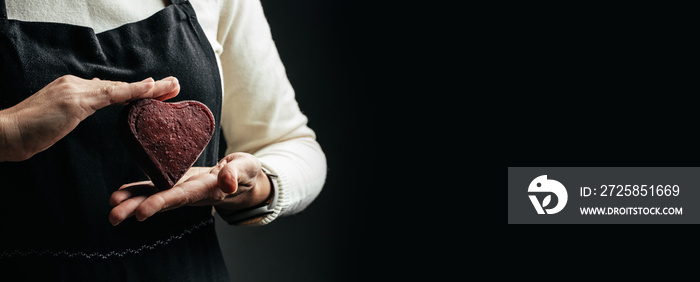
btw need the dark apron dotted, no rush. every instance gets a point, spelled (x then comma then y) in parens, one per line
(54, 207)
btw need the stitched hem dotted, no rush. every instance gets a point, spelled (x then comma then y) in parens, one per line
(103, 255)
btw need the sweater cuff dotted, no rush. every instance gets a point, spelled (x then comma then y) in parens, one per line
(280, 188)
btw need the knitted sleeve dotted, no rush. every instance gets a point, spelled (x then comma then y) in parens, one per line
(260, 114)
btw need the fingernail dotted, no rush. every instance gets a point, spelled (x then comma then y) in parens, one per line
(114, 221)
(173, 82)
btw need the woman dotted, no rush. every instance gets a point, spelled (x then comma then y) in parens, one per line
(66, 69)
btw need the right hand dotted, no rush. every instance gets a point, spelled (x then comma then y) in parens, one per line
(42, 119)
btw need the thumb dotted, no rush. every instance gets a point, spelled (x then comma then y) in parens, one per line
(236, 170)
(228, 178)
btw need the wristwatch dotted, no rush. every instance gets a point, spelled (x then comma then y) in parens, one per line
(255, 213)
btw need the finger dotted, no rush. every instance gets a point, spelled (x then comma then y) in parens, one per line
(164, 89)
(107, 92)
(140, 183)
(168, 95)
(228, 178)
(131, 190)
(239, 169)
(196, 189)
(113, 92)
(125, 209)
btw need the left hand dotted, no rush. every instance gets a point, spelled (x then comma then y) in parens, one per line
(237, 182)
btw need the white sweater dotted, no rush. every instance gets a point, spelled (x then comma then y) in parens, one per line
(259, 114)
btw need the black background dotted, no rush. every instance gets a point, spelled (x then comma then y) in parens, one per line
(322, 45)
(609, 85)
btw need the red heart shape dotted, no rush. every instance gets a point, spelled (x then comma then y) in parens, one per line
(166, 138)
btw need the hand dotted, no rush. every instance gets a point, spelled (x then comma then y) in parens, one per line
(237, 182)
(39, 121)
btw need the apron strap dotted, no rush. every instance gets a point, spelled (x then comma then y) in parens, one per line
(3, 10)
(171, 1)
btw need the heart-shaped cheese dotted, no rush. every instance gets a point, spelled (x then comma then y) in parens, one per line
(166, 138)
